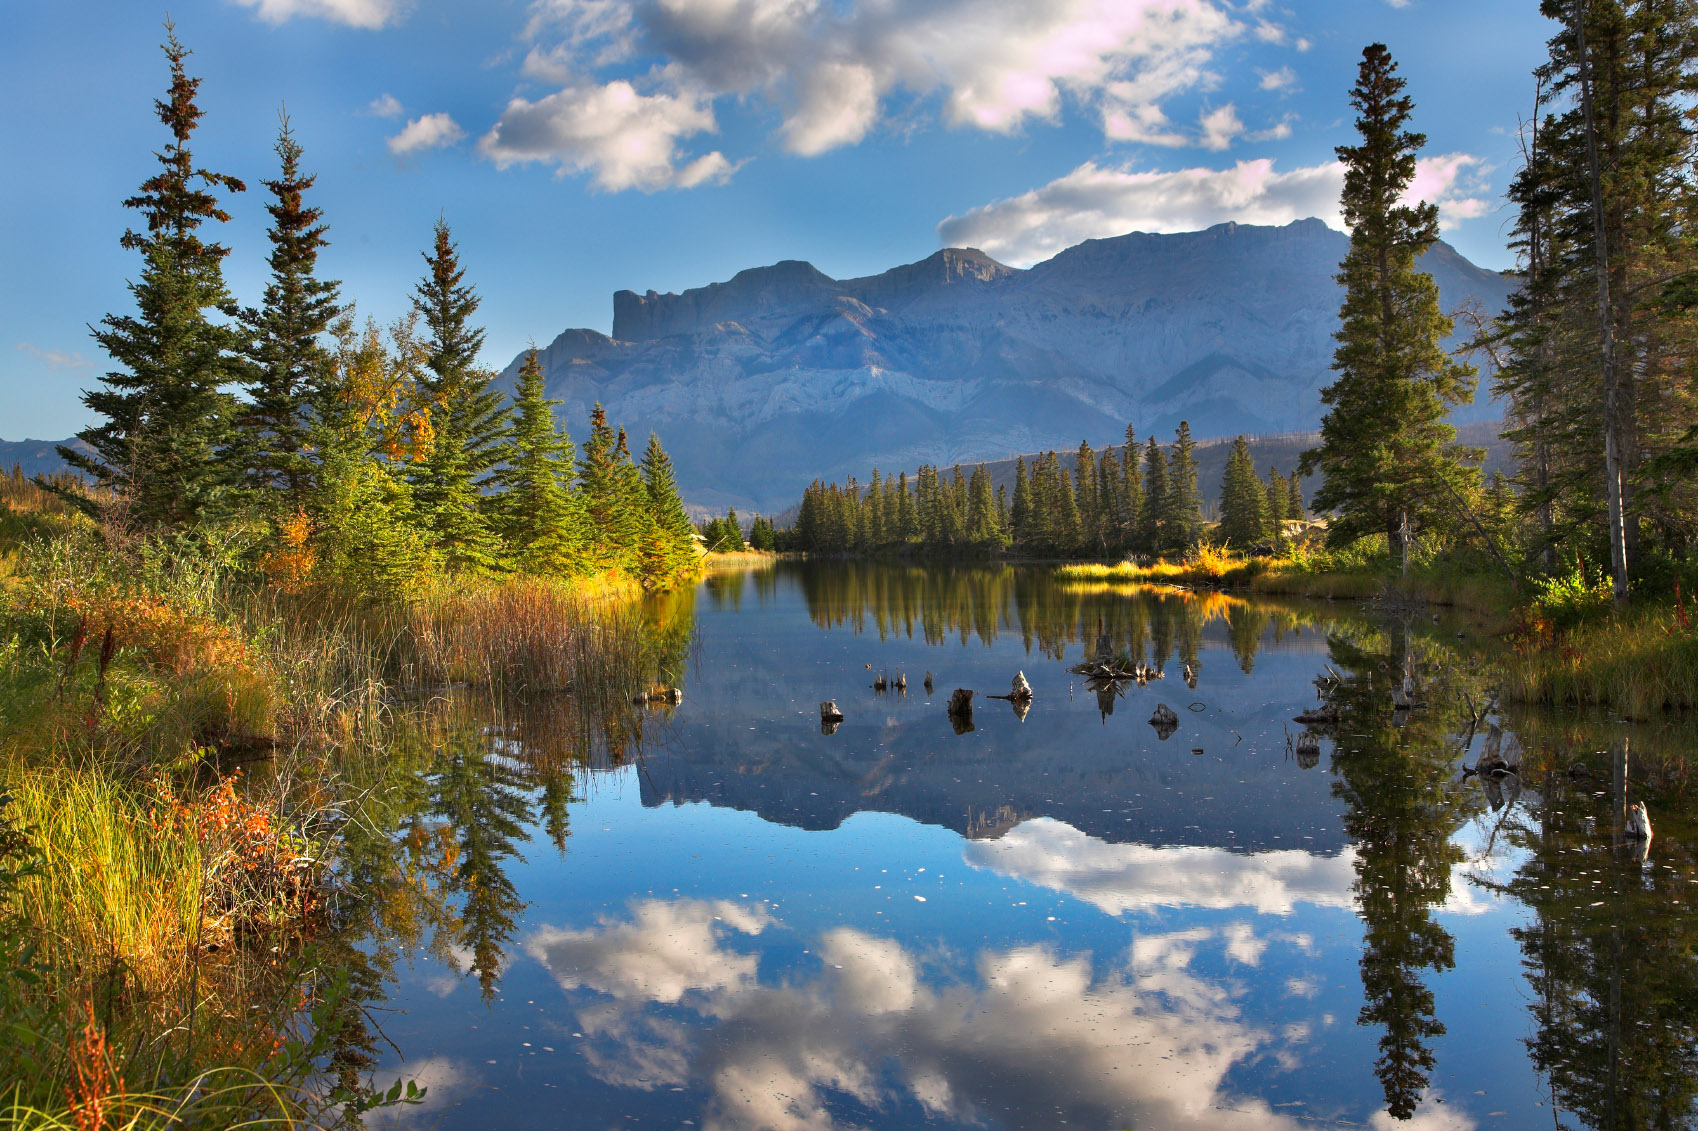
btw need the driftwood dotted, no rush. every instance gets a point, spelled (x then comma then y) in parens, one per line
(928, 683)
(1326, 715)
(670, 695)
(829, 711)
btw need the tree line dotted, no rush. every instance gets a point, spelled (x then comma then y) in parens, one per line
(371, 456)
(1131, 499)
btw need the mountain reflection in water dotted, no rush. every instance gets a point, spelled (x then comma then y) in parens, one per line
(711, 914)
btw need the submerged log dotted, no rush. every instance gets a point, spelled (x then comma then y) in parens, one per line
(1326, 715)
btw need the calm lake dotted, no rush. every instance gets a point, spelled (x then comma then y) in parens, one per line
(721, 917)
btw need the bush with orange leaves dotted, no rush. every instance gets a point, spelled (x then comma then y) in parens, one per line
(290, 562)
(222, 689)
(255, 870)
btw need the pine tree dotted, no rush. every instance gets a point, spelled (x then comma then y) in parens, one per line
(675, 545)
(167, 416)
(1181, 514)
(285, 349)
(1132, 492)
(611, 524)
(1383, 449)
(908, 523)
(1020, 510)
(1152, 519)
(1243, 500)
(535, 513)
(1085, 498)
(1277, 490)
(468, 416)
(1294, 500)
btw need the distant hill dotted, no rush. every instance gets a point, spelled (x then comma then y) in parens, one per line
(781, 374)
(36, 457)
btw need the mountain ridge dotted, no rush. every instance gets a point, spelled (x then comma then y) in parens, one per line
(780, 374)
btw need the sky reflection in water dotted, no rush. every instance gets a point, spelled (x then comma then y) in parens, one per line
(1064, 920)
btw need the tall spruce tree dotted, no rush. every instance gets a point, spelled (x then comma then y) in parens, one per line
(285, 348)
(534, 512)
(675, 546)
(469, 418)
(1182, 514)
(1243, 500)
(167, 417)
(1385, 441)
(1152, 517)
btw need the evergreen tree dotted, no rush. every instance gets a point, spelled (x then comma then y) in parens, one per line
(1278, 493)
(1132, 492)
(1384, 440)
(1020, 510)
(167, 416)
(468, 416)
(285, 348)
(1085, 498)
(1182, 515)
(1152, 524)
(984, 528)
(908, 524)
(535, 513)
(674, 552)
(612, 525)
(1243, 500)
(1294, 499)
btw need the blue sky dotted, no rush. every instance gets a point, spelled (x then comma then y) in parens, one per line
(581, 146)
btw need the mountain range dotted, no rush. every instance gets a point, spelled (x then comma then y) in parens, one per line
(781, 374)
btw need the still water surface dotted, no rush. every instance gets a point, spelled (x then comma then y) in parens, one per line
(728, 919)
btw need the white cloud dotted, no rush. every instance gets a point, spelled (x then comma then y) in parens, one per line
(1283, 79)
(1094, 201)
(55, 359)
(1220, 127)
(1142, 1041)
(385, 105)
(429, 132)
(667, 949)
(831, 69)
(1118, 878)
(371, 14)
(626, 138)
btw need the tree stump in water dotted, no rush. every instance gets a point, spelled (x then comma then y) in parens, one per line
(1020, 691)
(1165, 721)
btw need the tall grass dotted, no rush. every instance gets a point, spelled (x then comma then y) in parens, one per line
(163, 892)
(1638, 663)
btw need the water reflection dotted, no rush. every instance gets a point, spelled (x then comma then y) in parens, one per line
(670, 995)
(1203, 911)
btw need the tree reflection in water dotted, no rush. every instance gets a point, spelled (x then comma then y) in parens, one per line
(1611, 956)
(1394, 769)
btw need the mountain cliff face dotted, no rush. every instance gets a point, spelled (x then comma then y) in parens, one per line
(759, 384)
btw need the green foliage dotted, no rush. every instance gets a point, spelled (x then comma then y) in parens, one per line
(1384, 448)
(284, 347)
(468, 419)
(165, 409)
(1570, 598)
(535, 511)
(1244, 516)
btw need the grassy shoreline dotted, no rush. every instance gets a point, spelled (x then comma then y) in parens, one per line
(1563, 649)
(176, 733)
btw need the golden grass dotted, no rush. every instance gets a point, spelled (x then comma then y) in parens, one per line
(1639, 663)
(742, 559)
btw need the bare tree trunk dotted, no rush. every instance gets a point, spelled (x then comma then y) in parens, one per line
(1606, 324)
